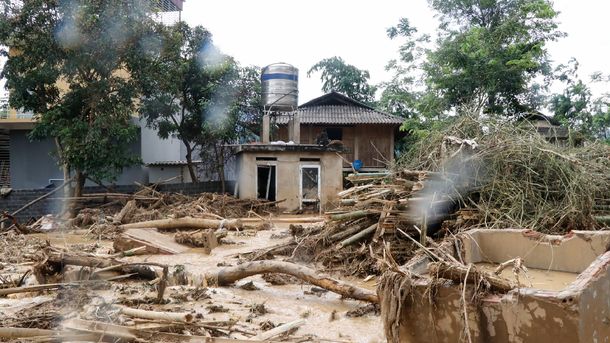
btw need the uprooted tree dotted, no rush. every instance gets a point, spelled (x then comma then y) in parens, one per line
(69, 65)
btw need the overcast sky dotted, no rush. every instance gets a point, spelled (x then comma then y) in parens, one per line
(303, 32)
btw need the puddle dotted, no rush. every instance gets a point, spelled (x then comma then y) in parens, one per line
(539, 278)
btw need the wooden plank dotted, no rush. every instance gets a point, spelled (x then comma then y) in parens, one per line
(155, 242)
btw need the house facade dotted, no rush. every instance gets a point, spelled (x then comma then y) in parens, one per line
(367, 135)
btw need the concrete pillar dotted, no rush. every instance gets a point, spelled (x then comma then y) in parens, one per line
(296, 129)
(266, 125)
(290, 129)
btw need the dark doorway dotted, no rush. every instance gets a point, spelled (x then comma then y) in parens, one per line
(265, 176)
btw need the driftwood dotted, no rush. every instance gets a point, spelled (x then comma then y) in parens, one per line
(185, 223)
(49, 286)
(60, 336)
(229, 275)
(142, 270)
(142, 335)
(125, 213)
(264, 336)
(458, 273)
(158, 315)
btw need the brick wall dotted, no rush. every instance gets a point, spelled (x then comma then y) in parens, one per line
(17, 198)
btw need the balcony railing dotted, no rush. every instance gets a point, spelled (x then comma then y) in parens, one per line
(10, 114)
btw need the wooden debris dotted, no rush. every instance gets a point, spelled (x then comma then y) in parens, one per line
(158, 315)
(207, 239)
(458, 272)
(185, 223)
(229, 275)
(155, 242)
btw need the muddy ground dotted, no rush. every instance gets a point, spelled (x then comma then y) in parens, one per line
(255, 304)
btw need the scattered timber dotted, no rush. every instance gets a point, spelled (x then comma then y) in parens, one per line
(229, 275)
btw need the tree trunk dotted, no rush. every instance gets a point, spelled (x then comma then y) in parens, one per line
(229, 275)
(189, 162)
(221, 168)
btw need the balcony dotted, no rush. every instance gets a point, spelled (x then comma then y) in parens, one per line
(12, 119)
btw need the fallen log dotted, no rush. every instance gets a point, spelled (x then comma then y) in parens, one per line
(125, 213)
(229, 275)
(265, 336)
(60, 336)
(183, 317)
(97, 262)
(185, 223)
(457, 272)
(49, 286)
(144, 335)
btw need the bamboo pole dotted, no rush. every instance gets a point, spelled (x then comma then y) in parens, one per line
(355, 238)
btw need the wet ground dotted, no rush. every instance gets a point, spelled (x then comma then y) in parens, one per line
(324, 312)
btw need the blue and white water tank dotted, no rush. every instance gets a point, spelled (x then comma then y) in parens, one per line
(280, 87)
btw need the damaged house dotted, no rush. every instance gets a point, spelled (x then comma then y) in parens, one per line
(315, 143)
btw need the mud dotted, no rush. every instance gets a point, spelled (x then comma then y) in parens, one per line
(551, 280)
(325, 312)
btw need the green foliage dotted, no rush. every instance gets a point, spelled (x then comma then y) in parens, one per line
(337, 75)
(576, 108)
(192, 91)
(69, 68)
(490, 51)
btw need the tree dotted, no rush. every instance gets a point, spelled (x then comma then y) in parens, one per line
(337, 75)
(238, 113)
(489, 52)
(183, 79)
(576, 107)
(70, 66)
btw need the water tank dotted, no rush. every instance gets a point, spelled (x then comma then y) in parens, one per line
(280, 86)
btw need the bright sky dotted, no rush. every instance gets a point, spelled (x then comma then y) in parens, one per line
(303, 32)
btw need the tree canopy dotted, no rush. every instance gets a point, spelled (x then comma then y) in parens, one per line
(488, 52)
(337, 75)
(69, 65)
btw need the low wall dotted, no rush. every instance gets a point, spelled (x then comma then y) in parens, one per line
(17, 198)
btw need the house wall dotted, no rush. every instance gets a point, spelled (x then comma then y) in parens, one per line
(359, 140)
(156, 149)
(32, 163)
(287, 176)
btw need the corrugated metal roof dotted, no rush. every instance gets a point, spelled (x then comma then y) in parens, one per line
(342, 114)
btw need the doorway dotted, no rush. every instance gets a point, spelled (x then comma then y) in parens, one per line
(310, 185)
(266, 182)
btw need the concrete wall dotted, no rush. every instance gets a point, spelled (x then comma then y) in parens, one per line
(156, 149)
(32, 164)
(433, 310)
(287, 176)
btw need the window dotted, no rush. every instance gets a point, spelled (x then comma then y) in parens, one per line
(334, 133)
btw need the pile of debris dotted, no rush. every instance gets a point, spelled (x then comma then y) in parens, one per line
(499, 176)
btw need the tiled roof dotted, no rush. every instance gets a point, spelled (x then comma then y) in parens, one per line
(172, 163)
(342, 114)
